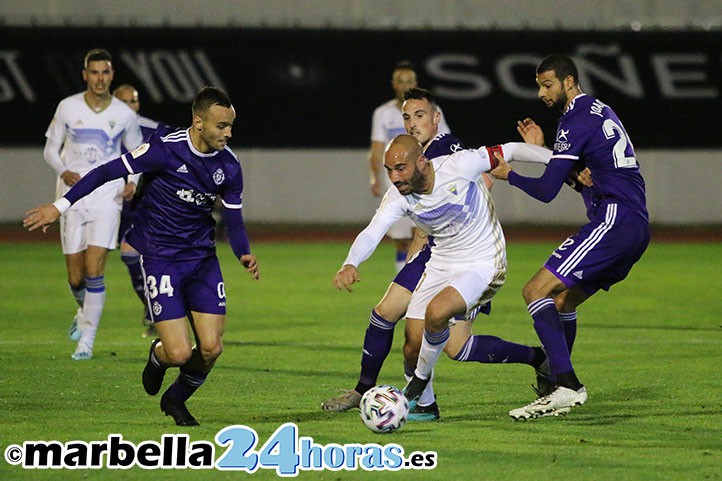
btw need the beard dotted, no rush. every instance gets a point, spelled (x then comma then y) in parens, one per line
(560, 101)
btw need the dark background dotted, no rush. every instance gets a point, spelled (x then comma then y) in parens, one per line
(317, 89)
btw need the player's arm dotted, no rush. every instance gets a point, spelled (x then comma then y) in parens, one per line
(376, 171)
(126, 164)
(237, 234)
(132, 138)
(366, 242)
(419, 240)
(544, 188)
(51, 154)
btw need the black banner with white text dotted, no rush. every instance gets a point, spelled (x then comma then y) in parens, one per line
(318, 89)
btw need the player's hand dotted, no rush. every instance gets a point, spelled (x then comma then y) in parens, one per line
(250, 262)
(530, 132)
(585, 177)
(41, 216)
(129, 191)
(70, 178)
(346, 277)
(502, 170)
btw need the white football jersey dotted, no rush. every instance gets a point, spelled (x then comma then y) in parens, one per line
(91, 138)
(459, 213)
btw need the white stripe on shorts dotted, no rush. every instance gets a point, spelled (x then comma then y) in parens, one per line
(588, 244)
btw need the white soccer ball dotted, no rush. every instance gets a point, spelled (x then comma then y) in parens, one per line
(384, 409)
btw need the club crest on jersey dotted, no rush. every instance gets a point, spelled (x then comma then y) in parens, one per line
(219, 176)
(112, 124)
(452, 189)
(157, 308)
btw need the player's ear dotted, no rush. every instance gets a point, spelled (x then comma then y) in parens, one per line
(436, 118)
(197, 122)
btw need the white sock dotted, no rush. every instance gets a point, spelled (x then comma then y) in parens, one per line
(92, 309)
(432, 345)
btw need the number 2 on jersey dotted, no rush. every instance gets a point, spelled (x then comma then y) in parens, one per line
(612, 129)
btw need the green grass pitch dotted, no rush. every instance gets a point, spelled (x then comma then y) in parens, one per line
(649, 353)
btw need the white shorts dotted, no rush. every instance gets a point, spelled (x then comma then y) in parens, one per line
(476, 284)
(80, 228)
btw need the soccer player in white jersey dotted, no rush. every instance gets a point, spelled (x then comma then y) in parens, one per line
(447, 198)
(87, 131)
(386, 124)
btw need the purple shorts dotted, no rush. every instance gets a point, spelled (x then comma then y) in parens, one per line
(174, 288)
(409, 276)
(603, 251)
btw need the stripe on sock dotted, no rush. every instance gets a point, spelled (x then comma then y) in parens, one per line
(95, 284)
(437, 338)
(539, 304)
(379, 322)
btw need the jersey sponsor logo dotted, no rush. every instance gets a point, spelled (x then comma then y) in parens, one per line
(182, 169)
(562, 143)
(456, 147)
(197, 198)
(140, 150)
(219, 176)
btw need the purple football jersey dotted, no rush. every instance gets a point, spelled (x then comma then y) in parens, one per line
(589, 131)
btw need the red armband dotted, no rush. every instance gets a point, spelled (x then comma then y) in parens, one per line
(491, 151)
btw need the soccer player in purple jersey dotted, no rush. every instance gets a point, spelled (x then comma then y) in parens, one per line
(603, 251)
(421, 120)
(130, 257)
(186, 171)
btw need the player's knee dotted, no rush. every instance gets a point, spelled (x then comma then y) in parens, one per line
(177, 355)
(530, 292)
(211, 352)
(436, 317)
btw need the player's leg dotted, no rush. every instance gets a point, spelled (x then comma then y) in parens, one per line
(426, 408)
(206, 300)
(566, 303)
(208, 330)
(95, 258)
(75, 266)
(73, 242)
(377, 345)
(131, 259)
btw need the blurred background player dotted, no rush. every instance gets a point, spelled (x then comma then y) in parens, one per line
(385, 125)
(130, 257)
(176, 239)
(87, 131)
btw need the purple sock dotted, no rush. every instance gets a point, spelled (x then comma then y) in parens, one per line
(377, 345)
(493, 350)
(550, 330)
(186, 384)
(569, 320)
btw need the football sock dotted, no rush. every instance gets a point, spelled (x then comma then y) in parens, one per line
(93, 308)
(377, 345)
(432, 346)
(186, 384)
(493, 350)
(569, 320)
(78, 293)
(549, 328)
(132, 262)
(155, 361)
(400, 260)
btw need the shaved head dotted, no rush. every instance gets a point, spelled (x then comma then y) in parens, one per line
(404, 144)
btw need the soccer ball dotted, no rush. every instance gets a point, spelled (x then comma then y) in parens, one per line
(384, 409)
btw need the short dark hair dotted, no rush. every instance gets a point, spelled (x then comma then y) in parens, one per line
(417, 93)
(96, 55)
(562, 65)
(209, 96)
(404, 65)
